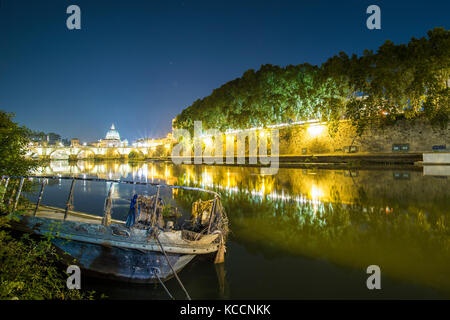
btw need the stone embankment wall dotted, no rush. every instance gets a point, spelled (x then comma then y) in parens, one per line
(403, 136)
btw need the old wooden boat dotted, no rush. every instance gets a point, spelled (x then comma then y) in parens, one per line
(145, 248)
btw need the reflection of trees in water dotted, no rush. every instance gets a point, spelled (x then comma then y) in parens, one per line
(410, 245)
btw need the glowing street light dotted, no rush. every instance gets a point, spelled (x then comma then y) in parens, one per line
(315, 130)
(207, 141)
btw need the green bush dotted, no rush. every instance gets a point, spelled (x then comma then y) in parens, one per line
(29, 268)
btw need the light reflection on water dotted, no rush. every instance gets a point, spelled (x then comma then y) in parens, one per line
(303, 233)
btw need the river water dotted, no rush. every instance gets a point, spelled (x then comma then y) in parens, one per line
(299, 234)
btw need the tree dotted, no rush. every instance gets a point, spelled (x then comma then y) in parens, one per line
(13, 142)
(407, 80)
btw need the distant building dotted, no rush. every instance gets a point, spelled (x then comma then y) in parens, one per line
(54, 139)
(112, 134)
(74, 142)
(153, 143)
(112, 139)
(96, 144)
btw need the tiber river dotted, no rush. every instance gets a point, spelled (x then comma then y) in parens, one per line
(300, 234)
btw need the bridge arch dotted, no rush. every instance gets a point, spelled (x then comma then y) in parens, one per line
(136, 154)
(111, 153)
(59, 154)
(85, 154)
(32, 153)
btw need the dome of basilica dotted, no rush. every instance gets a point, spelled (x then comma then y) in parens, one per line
(112, 134)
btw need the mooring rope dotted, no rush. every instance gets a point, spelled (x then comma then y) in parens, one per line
(170, 265)
(155, 271)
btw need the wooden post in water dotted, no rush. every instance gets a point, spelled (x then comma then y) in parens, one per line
(106, 221)
(69, 199)
(220, 255)
(40, 196)
(4, 192)
(18, 194)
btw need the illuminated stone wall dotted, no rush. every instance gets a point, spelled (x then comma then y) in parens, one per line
(419, 135)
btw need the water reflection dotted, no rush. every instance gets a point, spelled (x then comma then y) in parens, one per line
(397, 219)
(382, 188)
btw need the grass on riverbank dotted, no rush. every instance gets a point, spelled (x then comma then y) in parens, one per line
(30, 269)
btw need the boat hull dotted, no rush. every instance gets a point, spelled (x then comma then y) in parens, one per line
(128, 265)
(116, 235)
(106, 252)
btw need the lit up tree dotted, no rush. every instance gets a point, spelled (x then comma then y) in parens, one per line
(398, 81)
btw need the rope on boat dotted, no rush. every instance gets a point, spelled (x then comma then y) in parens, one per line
(156, 271)
(155, 233)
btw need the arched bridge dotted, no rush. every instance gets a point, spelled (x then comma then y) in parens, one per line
(86, 152)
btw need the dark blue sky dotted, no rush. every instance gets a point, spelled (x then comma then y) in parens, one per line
(139, 63)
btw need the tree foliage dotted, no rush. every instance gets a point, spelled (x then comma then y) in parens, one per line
(406, 80)
(13, 143)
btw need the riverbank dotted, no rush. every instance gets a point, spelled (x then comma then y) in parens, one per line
(363, 161)
(333, 161)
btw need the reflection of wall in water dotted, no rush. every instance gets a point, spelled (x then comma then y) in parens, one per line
(374, 187)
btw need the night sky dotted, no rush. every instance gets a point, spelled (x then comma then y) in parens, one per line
(139, 63)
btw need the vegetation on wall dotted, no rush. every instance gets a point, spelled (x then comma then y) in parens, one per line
(406, 80)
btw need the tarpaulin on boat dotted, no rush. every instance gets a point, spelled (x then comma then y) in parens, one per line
(131, 218)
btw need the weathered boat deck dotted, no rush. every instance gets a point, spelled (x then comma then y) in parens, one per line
(80, 226)
(58, 214)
